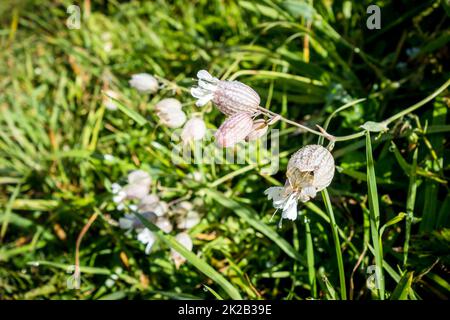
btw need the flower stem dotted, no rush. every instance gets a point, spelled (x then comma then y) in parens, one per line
(337, 243)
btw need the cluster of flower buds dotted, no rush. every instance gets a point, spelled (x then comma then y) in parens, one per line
(181, 216)
(310, 170)
(238, 102)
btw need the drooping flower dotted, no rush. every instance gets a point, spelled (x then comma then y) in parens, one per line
(234, 129)
(170, 113)
(310, 170)
(185, 240)
(193, 130)
(144, 83)
(259, 129)
(230, 97)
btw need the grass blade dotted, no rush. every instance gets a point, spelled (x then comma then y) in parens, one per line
(202, 266)
(250, 216)
(403, 288)
(374, 214)
(337, 243)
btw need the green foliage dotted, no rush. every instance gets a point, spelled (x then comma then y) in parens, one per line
(56, 135)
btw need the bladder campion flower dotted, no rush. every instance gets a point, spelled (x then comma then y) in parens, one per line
(309, 171)
(144, 82)
(230, 97)
(234, 129)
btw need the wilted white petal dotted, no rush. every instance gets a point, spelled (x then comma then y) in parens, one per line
(277, 195)
(290, 208)
(148, 238)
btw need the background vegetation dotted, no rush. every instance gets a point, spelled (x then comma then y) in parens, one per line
(55, 132)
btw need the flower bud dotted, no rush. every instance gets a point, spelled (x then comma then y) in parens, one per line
(193, 130)
(259, 129)
(168, 105)
(173, 120)
(234, 129)
(144, 83)
(310, 170)
(230, 97)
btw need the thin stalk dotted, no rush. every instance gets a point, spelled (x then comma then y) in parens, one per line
(410, 206)
(324, 134)
(274, 114)
(374, 211)
(337, 244)
(335, 112)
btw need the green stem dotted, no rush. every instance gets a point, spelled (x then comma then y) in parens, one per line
(374, 216)
(410, 206)
(337, 244)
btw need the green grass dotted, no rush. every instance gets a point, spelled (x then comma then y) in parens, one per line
(382, 93)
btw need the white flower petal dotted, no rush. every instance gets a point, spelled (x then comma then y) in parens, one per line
(198, 93)
(290, 208)
(276, 194)
(148, 238)
(204, 100)
(204, 75)
(207, 86)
